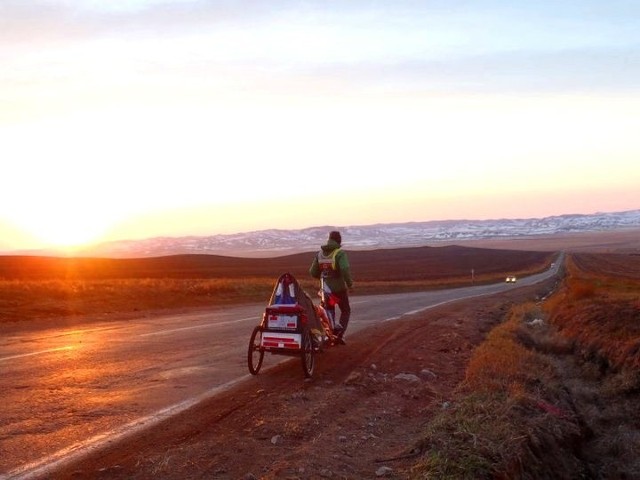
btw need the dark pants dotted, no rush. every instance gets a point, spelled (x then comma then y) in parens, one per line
(345, 309)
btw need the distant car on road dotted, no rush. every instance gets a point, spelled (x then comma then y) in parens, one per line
(510, 279)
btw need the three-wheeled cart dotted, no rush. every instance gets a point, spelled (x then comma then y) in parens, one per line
(291, 325)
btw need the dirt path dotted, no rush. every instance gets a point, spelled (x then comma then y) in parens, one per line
(358, 417)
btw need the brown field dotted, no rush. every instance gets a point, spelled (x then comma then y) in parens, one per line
(618, 241)
(419, 263)
(52, 287)
(599, 309)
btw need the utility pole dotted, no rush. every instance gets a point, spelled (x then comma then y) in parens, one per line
(472, 276)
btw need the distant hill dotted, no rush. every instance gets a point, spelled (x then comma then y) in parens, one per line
(276, 242)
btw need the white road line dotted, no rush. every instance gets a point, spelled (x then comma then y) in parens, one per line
(44, 467)
(49, 350)
(206, 325)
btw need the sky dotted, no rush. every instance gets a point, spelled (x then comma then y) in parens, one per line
(133, 119)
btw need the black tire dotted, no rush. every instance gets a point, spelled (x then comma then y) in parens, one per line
(255, 355)
(307, 354)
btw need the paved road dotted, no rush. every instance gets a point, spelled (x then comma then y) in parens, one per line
(65, 391)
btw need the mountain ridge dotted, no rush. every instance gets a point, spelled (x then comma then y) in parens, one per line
(273, 242)
(277, 242)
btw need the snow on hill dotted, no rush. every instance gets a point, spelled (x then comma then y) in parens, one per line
(281, 242)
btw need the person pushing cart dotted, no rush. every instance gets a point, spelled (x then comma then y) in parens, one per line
(331, 266)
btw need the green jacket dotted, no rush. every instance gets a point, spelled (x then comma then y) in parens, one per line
(341, 278)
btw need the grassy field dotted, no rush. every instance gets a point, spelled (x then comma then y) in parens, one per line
(50, 287)
(553, 391)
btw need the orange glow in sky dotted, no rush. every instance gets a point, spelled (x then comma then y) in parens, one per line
(136, 119)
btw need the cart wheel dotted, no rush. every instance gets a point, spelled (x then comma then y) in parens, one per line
(308, 355)
(255, 354)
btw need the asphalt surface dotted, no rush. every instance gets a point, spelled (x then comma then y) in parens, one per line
(66, 391)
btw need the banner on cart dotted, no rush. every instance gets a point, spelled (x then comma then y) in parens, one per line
(291, 341)
(286, 321)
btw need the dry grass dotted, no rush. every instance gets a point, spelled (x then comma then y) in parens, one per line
(510, 415)
(601, 316)
(22, 300)
(522, 387)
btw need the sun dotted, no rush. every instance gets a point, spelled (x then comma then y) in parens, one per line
(71, 236)
(61, 230)
(67, 234)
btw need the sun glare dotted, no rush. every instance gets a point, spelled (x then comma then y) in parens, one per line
(58, 224)
(65, 233)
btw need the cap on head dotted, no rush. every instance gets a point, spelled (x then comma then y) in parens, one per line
(335, 235)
